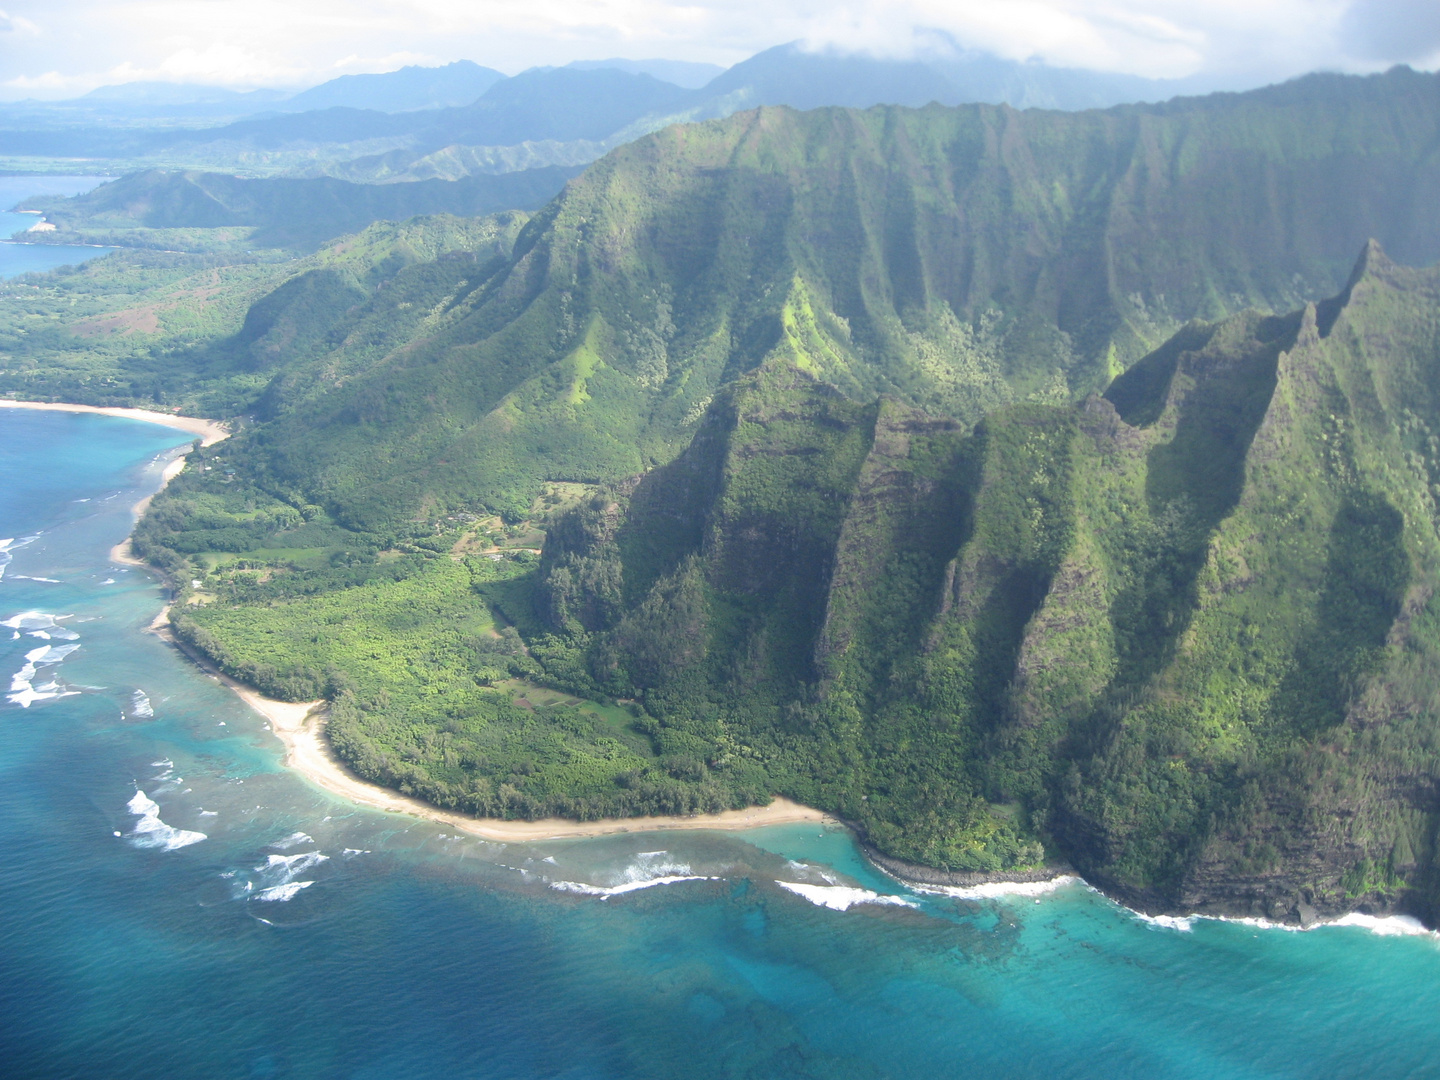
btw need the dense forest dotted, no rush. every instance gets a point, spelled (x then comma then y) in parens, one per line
(942, 468)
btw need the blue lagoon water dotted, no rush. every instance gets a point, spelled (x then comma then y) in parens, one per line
(18, 258)
(178, 905)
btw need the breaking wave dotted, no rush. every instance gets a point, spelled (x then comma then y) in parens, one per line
(277, 878)
(999, 890)
(650, 868)
(842, 897)
(293, 840)
(11, 544)
(24, 691)
(151, 832)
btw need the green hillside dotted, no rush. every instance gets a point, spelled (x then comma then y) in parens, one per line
(203, 333)
(805, 410)
(1180, 635)
(957, 259)
(192, 210)
(1183, 634)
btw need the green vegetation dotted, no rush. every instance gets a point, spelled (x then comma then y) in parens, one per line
(1176, 652)
(805, 410)
(203, 333)
(197, 211)
(958, 260)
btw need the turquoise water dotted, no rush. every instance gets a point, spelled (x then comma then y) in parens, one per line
(29, 258)
(304, 937)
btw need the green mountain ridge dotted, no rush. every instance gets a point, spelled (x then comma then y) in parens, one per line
(956, 259)
(936, 467)
(1196, 653)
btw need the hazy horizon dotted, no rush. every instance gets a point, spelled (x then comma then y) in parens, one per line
(63, 49)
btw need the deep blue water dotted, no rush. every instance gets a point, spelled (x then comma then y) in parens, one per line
(27, 258)
(413, 953)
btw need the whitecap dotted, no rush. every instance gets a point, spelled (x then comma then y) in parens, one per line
(209, 813)
(108, 581)
(28, 621)
(163, 763)
(842, 897)
(351, 852)
(46, 580)
(1380, 925)
(1183, 923)
(140, 705)
(276, 877)
(1386, 925)
(290, 865)
(9, 545)
(998, 890)
(282, 892)
(293, 840)
(650, 869)
(607, 891)
(151, 832)
(23, 690)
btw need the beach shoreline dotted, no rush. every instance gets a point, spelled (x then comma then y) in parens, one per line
(210, 431)
(300, 727)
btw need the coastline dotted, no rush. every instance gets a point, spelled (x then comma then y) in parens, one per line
(300, 728)
(210, 431)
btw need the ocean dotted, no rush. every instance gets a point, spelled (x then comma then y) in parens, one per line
(18, 258)
(177, 904)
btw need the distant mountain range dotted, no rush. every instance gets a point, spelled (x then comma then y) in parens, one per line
(440, 123)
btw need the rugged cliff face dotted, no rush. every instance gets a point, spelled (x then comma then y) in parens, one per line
(955, 259)
(1183, 633)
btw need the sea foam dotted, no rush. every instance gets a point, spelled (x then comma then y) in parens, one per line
(650, 868)
(9, 545)
(842, 897)
(151, 832)
(140, 705)
(23, 689)
(276, 878)
(282, 892)
(999, 890)
(293, 840)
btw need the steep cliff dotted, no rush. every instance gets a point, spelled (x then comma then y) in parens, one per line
(1183, 634)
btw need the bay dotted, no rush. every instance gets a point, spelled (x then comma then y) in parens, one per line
(233, 921)
(18, 258)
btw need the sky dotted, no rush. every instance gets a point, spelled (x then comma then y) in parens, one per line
(63, 48)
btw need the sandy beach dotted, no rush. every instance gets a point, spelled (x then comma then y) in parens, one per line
(301, 728)
(209, 430)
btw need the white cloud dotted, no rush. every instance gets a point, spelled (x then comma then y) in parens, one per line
(72, 45)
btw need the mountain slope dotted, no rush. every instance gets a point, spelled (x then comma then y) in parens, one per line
(1191, 642)
(286, 213)
(956, 259)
